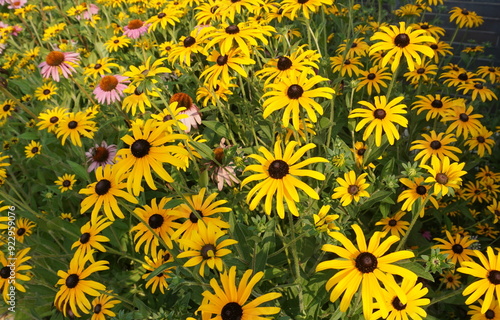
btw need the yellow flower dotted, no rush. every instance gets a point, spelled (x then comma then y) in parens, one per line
(351, 188)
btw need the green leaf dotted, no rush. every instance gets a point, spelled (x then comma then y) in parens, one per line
(159, 270)
(217, 127)
(375, 198)
(416, 268)
(79, 170)
(29, 136)
(204, 150)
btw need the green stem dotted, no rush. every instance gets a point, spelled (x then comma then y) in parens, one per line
(22, 106)
(296, 262)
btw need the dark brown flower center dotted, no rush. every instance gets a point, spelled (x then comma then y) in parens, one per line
(102, 187)
(222, 60)
(156, 221)
(189, 41)
(140, 148)
(435, 144)
(402, 40)
(100, 154)
(66, 183)
(434, 46)
(465, 12)
(135, 24)
(72, 281)
(366, 262)
(97, 66)
(392, 222)
(396, 303)
(84, 238)
(494, 277)
(457, 248)
(206, 249)
(361, 151)
(232, 29)
(424, 26)
(438, 104)
(278, 169)
(463, 76)
(478, 85)
(231, 311)
(72, 124)
(116, 41)
(55, 58)
(6, 107)
(441, 178)
(21, 231)
(34, 150)
(421, 70)
(98, 308)
(464, 117)
(294, 91)
(379, 114)
(371, 76)
(161, 15)
(5, 272)
(421, 190)
(284, 63)
(352, 189)
(193, 218)
(46, 91)
(480, 139)
(489, 314)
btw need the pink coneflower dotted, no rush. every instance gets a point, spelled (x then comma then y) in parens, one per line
(16, 4)
(110, 89)
(99, 156)
(191, 110)
(222, 174)
(59, 62)
(135, 28)
(91, 10)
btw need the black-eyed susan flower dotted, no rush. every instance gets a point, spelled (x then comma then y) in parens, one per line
(157, 260)
(324, 222)
(146, 72)
(489, 72)
(110, 89)
(137, 99)
(292, 7)
(205, 248)
(416, 190)
(157, 222)
(100, 68)
(188, 46)
(6, 109)
(430, 30)
(101, 306)
(464, 122)
(415, 300)
(486, 230)
(103, 193)
(294, 93)
(57, 63)
(366, 265)
(422, 73)
(374, 78)
(32, 149)
(435, 145)
(489, 282)
(351, 66)
(444, 175)
(380, 117)
(433, 105)
(357, 48)
(74, 126)
(459, 78)
(394, 224)
(228, 9)
(24, 228)
(67, 217)
(50, 118)
(456, 247)
(91, 238)
(167, 16)
(146, 152)
(46, 91)
(66, 182)
(481, 141)
(494, 208)
(220, 71)
(116, 43)
(451, 280)
(493, 312)
(351, 188)
(441, 49)
(75, 286)
(279, 172)
(9, 264)
(477, 88)
(230, 301)
(465, 18)
(402, 41)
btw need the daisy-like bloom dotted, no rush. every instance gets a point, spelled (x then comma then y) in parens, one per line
(444, 175)
(189, 113)
(137, 99)
(412, 308)
(32, 149)
(394, 224)
(17, 265)
(482, 141)
(100, 68)
(230, 301)
(187, 46)
(66, 182)
(459, 78)
(160, 280)
(457, 248)
(90, 238)
(451, 280)
(494, 208)
(168, 16)
(57, 63)
(373, 79)
(365, 265)
(24, 228)
(486, 174)
(300, 60)
(358, 47)
(489, 72)
(116, 43)
(402, 41)
(228, 9)
(292, 7)
(493, 312)
(100, 155)
(51, 118)
(214, 94)
(440, 48)
(381, 118)
(135, 28)
(110, 89)
(160, 220)
(473, 49)
(351, 188)
(233, 60)
(478, 89)
(464, 122)
(67, 217)
(75, 286)
(295, 92)
(146, 151)
(324, 222)
(76, 125)
(465, 18)
(205, 248)
(242, 35)
(6, 109)
(103, 193)
(280, 171)
(489, 283)
(486, 230)
(147, 71)
(101, 306)
(46, 91)
(421, 73)
(351, 66)
(435, 145)
(359, 153)
(204, 209)
(416, 190)
(430, 30)
(434, 105)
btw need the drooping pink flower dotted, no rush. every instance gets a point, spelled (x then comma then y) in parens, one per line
(221, 172)
(110, 89)
(191, 110)
(135, 28)
(92, 9)
(99, 156)
(16, 4)
(57, 63)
